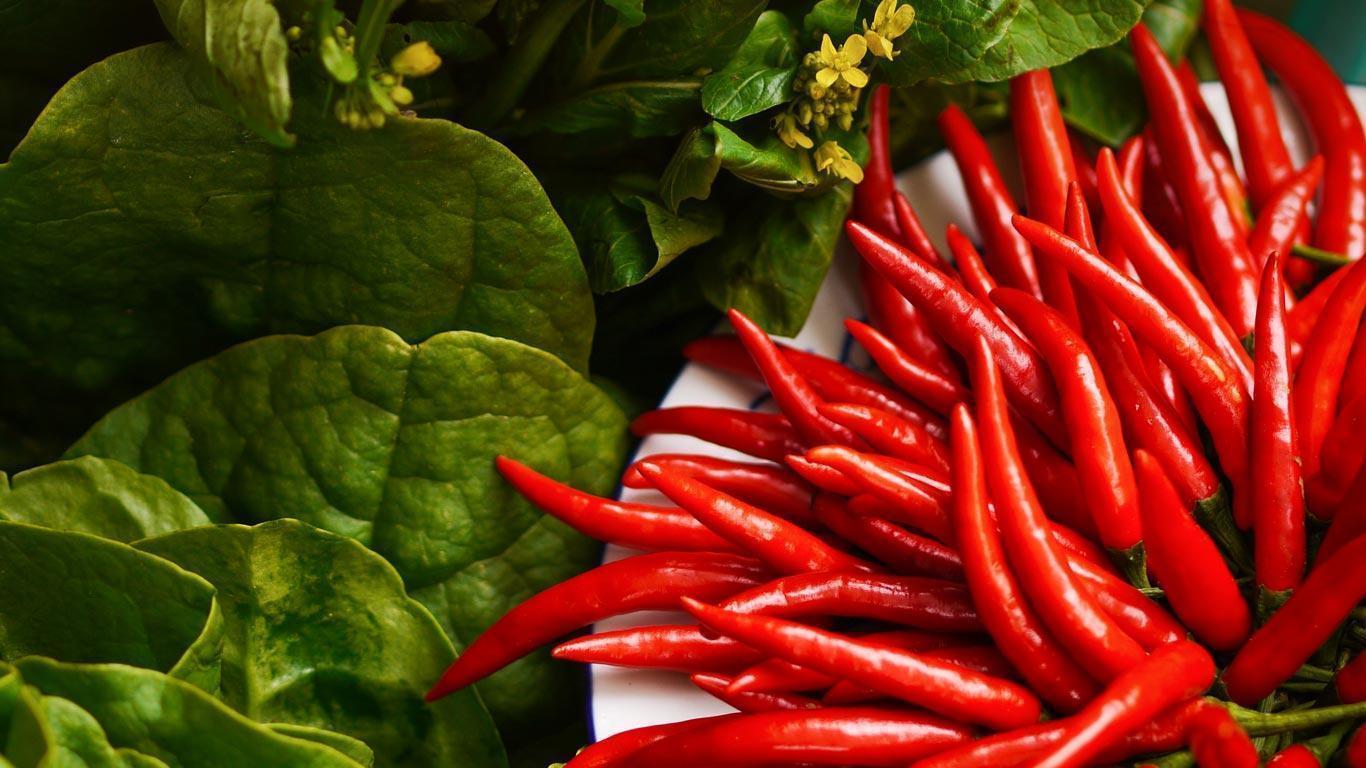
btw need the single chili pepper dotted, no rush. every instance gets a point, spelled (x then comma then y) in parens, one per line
(1164, 276)
(911, 601)
(1213, 145)
(1216, 238)
(1139, 617)
(1080, 547)
(1333, 120)
(1005, 612)
(1217, 392)
(1295, 756)
(832, 736)
(1187, 564)
(1338, 466)
(874, 195)
(824, 477)
(1047, 168)
(1319, 378)
(1273, 455)
(922, 502)
(644, 582)
(614, 751)
(974, 274)
(979, 658)
(1086, 169)
(960, 318)
(784, 546)
(1306, 312)
(1350, 681)
(1354, 380)
(1172, 674)
(1217, 741)
(1349, 519)
(913, 233)
(672, 647)
(1101, 647)
(890, 434)
(1161, 205)
(896, 316)
(762, 435)
(1302, 624)
(1356, 748)
(1282, 214)
(793, 394)
(992, 204)
(900, 550)
(638, 526)
(929, 387)
(830, 379)
(749, 702)
(935, 685)
(764, 485)
(1130, 163)
(1107, 478)
(781, 676)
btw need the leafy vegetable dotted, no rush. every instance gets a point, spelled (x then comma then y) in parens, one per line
(357, 432)
(759, 76)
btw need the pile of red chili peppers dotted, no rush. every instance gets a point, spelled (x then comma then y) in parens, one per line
(1014, 548)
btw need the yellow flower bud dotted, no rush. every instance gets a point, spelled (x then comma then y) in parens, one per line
(417, 60)
(401, 95)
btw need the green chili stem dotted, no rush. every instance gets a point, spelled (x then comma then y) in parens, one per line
(1264, 724)
(1318, 254)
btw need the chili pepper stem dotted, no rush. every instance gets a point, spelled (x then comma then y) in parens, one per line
(1133, 563)
(1319, 255)
(1216, 516)
(1268, 724)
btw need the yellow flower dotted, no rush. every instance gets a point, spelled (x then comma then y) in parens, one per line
(834, 159)
(790, 132)
(890, 21)
(842, 63)
(417, 60)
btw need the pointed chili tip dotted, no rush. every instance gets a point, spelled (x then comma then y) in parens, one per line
(737, 317)
(697, 608)
(441, 690)
(821, 454)
(650, 470)
(710, 681)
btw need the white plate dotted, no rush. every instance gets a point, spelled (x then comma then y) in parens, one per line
(622, 699)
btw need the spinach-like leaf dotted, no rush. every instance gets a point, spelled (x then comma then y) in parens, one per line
(142, 230)
(243, 47)
(73, 736)
(772, 268)
(691, 171)
(319, 632)
(765, 161)
(625, 235)
(353, 748)
(99, 497)
(630, 13)
(116, 604)
(837, 18)
(357, 432)
(759, 76)
(171, 720)
(634, 108)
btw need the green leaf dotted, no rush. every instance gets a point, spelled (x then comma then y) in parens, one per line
(100, 497)
(241, 44)
(355, 749)
(142, 231)
(630, 13)
(837, 18)
(759, 76)
(357, 432)
(171, 720)
(319, 632)
(116, 604)
(773, 266)
(691, 171)
(634, 108)
(76, 738)
(454, 41)
(625, 235)
(766, 163)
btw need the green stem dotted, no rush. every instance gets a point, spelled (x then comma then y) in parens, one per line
(1265, 724)
(1173, 760)
(1215, 516)
(374, 14)
(1321, 256)
(1318, 674)
(1133, 563)
(523, 61)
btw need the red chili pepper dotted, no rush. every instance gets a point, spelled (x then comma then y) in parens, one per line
(762, 435)
(844, 736)
(1217, 741)
(1164, 275)
(1107, 478)
(1350, 681)
(929, 387)
(1131, 178)
(1354, 380)
(1304, 623)
(960, 318)
(673, 647)
(1339, 466)
(911, 601)
(780, 676)
(784, 546)
(1349, 519)
(979, 658)
(638, 526)
(1273, 455)
(748, 702)
(825, 478)
(614, 751)
(764, 485)
(975, 275)
(1283, 212)
(1172, 674)
(1213, 146)
(992, 205)
(1215, 235)
(1160, 202)
(897, 317)
(644, 582)
(1086, 169)
(1069, 612)
(935, 685)
(1046, 165)
(1139, 617)
(1356, 749)
(922, 502)
(890, 434)
(897, 548)
(1054, 478)
(1332, 118)
(1005, 612)
(913, 233)
(1219, 396)
(874, 195)
(793, 394)
(1306, 312)
(1319, 377)
(1295, 756)
(1188, 565)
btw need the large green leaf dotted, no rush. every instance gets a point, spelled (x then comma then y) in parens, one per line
(81, 598)
(353, 748)
(764, 161)
(242, 45)
(319, 632)
(142, 230)
(171, 720)
(73, 736)
(97, 496)
(357, 432)
(759, 76)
